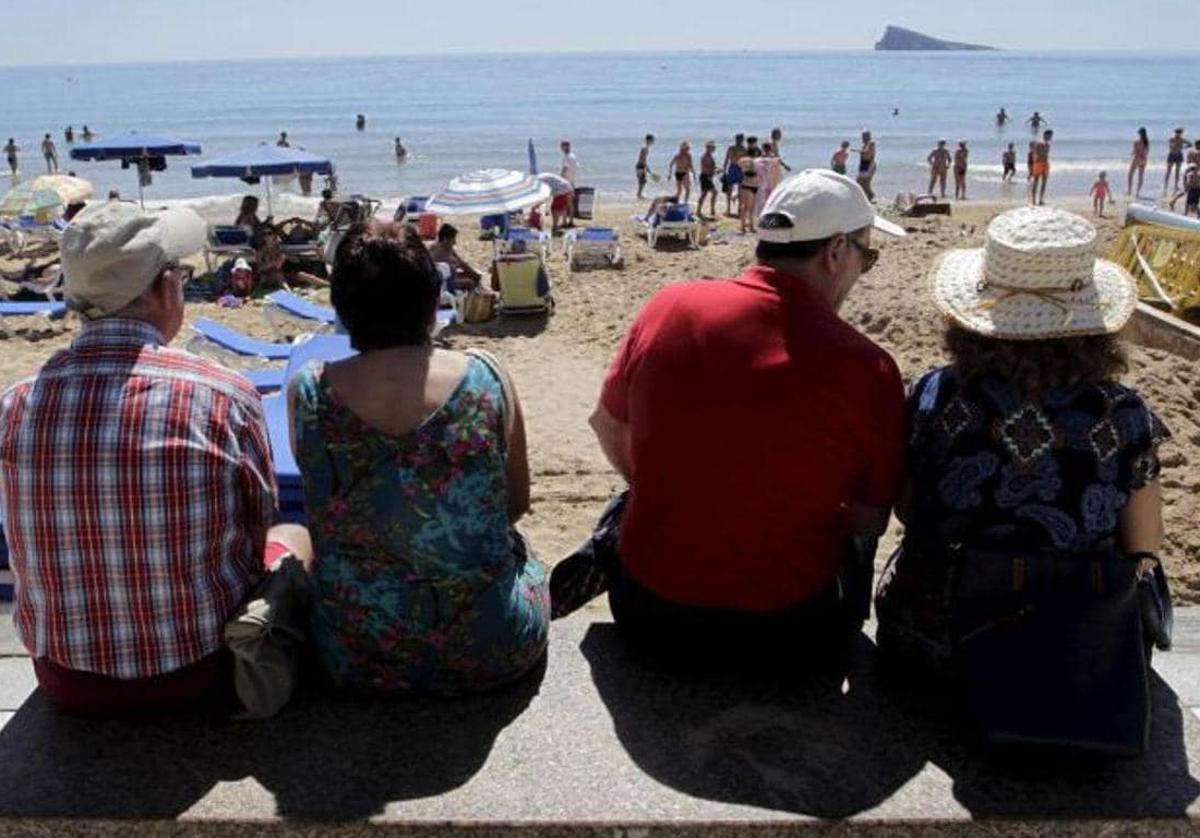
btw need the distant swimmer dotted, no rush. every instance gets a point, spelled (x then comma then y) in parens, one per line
(360, 122)
(1009, 161)
(1036, 121)
(283, 141)
(1002, 118)
(1137, 161)
(401, 151)
(10, 154)
(840, 155)
(939, 165)
(1040, 169)
(88, 136)
(69, 134)
(895, 111)
(1175, 148)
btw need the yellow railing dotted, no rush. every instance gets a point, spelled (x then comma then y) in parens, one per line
(1164, 261)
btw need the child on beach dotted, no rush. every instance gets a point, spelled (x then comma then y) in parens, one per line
(642, 168)
(1009, 160)
(840, 156)
(1191, 190)
(1100, 194)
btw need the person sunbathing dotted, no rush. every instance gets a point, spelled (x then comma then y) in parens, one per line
(443, 250)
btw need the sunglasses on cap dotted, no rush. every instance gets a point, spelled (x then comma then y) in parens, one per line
(183, 273)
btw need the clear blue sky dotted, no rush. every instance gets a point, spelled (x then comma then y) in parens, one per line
(86, 31)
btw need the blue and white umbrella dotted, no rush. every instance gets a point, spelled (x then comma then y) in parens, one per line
(265, 161)
(135, 148)
(489, 191)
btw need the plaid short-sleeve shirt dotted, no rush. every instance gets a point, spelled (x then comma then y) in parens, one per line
(137, 487)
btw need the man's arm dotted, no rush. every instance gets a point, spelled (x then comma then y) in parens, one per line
(465, 266)
(614, 438)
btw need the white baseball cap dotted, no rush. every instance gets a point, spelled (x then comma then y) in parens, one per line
(816, 204)
(113, 251)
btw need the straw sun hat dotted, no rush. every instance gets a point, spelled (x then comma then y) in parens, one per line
(1036, 278)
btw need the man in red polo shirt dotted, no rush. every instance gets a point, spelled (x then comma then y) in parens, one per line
(759, 434)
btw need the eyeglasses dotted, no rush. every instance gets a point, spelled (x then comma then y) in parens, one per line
(183, 273)
(869, 255)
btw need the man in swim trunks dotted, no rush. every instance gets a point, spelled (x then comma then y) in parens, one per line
(283, 141)
(776, 139)
(50, 153)
(708, 173)
(1175, 148)
(939, 164)
(731, 172)
(1009, 161)
(1040, 169)
(10, 154)
(683, 168)
(840, 156)
(642, 167)
(1191, 191)
(866, 164)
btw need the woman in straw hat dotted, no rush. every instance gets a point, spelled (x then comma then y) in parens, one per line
(1025, 442)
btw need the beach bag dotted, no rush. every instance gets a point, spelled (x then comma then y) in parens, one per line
(267, 636)
(478, 305)
(1049, 650)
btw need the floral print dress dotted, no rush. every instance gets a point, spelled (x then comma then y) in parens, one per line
(991, 468)
(419, 582)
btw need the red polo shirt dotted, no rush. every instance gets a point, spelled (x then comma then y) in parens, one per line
(757, 415)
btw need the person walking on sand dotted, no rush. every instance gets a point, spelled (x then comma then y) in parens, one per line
(1137, 161)
(708, 174)
(1040, 169)
(10, 154)
(283, 141)
(866, 164)
(840, 158)
(1175, 148)
(731, 174)
(1009, 161)
(50, 153)
(960, 171)
(1100, 193)
(939, 165)
(642, 167)
(569, 171)
(683, 169)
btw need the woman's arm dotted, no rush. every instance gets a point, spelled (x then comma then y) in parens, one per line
(1141, 520)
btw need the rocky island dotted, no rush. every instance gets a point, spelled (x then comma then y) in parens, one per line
(899, 39)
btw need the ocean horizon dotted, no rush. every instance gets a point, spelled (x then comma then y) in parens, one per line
(465, 111)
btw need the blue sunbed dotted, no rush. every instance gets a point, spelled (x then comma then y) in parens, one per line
(296, 305)
(265, 380)
(48, 308)
(234, 341)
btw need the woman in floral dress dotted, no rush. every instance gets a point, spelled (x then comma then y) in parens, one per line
(415, 471)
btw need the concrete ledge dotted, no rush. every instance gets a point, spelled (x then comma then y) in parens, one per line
(594, 745)
(1159, 330)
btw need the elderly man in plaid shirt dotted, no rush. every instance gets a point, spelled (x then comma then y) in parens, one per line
(137, 483)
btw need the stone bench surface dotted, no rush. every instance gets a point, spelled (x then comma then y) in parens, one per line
(597, 745)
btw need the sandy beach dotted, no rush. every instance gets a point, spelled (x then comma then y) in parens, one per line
(559, 362)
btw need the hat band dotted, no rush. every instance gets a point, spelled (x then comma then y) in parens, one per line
(1053, 296)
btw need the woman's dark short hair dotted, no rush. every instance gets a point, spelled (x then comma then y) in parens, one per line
(385, 287)
(1037, 366)
(447, 232)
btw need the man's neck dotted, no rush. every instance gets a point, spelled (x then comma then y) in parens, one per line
(803, 272)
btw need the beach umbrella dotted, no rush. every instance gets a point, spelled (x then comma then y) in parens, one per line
(137, 150)
(265, 161)
(558, 185)
(43, 204)
(533, 167)
(488, 191)
(71, 189)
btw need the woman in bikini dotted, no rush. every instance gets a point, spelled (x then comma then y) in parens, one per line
(1137, 161)
(960, 171)
(748, 192)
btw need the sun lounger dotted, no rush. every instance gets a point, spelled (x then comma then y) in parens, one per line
(517, 238)
(212, 338)
(19, 233)
(265, 380)
(285, 311)
(49, 309)
(226, 241)
(675, 220)
(593, 244)
(524, 285)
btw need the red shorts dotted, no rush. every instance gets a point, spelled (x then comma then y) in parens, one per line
(206, 683)
(561, 203)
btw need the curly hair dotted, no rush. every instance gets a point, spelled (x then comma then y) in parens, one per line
(1037, 366)
(384, 287)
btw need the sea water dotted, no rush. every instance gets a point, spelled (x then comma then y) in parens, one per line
(459, 113)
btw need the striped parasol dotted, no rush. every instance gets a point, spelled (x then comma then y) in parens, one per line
(42, 205)
(489, 191)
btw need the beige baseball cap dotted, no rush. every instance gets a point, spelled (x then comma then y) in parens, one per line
(816, 204)
(113, 251)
